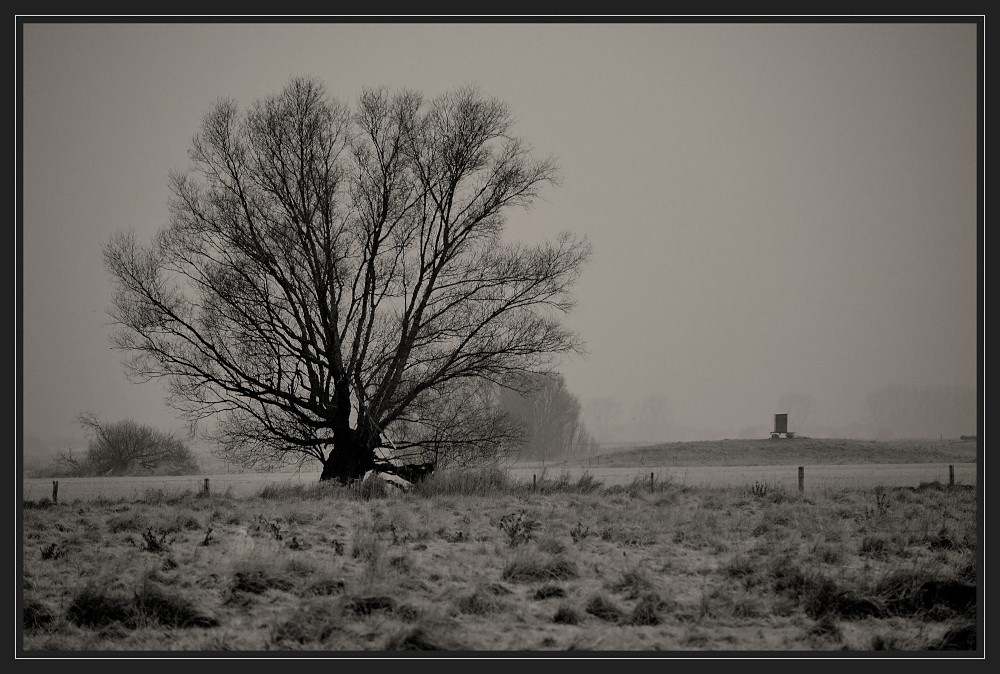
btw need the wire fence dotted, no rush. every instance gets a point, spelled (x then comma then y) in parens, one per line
(812, 479)
(786, 476)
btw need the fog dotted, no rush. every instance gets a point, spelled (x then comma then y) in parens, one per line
(783, 216)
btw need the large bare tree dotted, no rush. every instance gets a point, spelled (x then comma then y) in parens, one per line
(330, 274)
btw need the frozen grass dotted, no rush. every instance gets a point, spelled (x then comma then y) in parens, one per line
(473, 561)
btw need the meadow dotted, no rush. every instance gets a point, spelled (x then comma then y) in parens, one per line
(479, 562)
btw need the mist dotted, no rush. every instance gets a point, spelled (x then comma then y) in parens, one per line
(783, 216)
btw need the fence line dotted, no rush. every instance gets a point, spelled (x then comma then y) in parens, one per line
(820, 478)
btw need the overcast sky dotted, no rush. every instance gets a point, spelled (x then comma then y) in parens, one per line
(773, 208)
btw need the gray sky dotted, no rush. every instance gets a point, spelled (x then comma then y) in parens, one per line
(773, 208)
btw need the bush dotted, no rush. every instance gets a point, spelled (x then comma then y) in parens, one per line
(127, 448)
(518, 527)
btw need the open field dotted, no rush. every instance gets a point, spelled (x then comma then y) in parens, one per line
(821, 477)
(786, 451)
(479, 562)
(706, 463)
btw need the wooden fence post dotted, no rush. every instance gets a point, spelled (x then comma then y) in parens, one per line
(55, 491)
(534, 482)
(951, 474)
(206, 485)
(650, 483)
(802, 479)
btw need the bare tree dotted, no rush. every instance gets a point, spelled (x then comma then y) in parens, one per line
(326, 273)
(129, 448)
(550, 417)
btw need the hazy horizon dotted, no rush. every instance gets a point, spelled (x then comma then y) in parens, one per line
(781, 214)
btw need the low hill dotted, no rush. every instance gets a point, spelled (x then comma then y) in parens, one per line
(764, 452)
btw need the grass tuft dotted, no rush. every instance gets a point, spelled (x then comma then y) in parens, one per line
(602, 607)
(535, 567)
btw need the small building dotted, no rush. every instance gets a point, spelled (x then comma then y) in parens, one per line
(781, 427)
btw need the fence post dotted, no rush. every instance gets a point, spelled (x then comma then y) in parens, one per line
(951, 474)
(534, 482)
(650, 483)
(55, 491)
(802, 479)
(206, 485)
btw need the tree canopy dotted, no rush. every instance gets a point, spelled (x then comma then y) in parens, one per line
(329, 275)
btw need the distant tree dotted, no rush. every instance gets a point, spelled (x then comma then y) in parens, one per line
(461, 426)
(330, 277)
(129, 448)
(550, 419)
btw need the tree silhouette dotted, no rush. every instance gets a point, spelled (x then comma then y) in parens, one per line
(326, 273)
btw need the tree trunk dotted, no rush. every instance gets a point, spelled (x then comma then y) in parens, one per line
(349, 459)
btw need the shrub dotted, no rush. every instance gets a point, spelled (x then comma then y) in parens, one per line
(758, 489)
(518, 527)
(579, 532)
(129, 448)
(154, 544)
(52, 551)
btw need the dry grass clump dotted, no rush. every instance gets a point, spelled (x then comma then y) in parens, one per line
(487, 482)
(92, 607)
(35, 615)
(566, 615)
(533, 567)
(633, 583)
(415, 639)
(258, 579)
(482, 602)
(367, 605)
(602, 607)
(548, 592)
(308, 626)
(648, 610)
